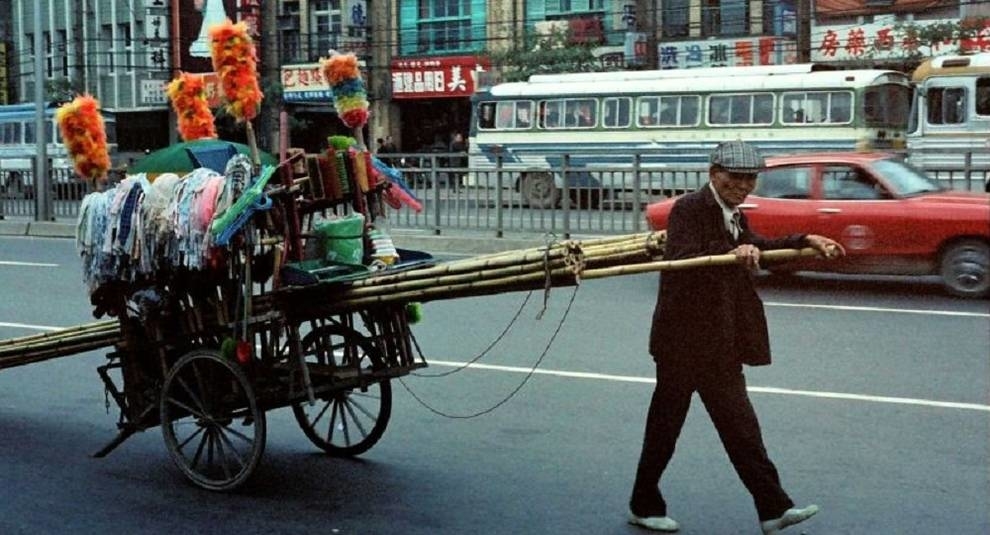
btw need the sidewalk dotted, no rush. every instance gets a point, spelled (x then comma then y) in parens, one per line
(451, 241)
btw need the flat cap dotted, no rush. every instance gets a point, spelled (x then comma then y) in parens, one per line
(738, 157)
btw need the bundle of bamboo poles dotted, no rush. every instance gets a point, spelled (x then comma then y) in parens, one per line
(64, 342)
(563, 263)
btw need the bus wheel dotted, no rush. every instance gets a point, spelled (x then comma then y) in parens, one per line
(539, 191)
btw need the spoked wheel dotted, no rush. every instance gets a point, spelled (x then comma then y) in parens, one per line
(539, 191)
(350, 420)
(213, 427)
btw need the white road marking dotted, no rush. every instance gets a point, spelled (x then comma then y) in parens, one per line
(886, 310)
(26, 264)
(651, 380)
(30, 326)
(760, 389)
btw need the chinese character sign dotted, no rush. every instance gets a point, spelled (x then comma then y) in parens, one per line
(451, 76)
(879, 40)
(727, 53)
(305, 83)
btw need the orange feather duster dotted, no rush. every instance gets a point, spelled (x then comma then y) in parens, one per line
(188, 95)
(85, 136)
(236, 62)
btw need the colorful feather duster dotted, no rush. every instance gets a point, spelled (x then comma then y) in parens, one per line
(349, 95)
(188, 95)
(85, 136)
(236, 62)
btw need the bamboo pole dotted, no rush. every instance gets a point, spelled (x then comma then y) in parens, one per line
(776, 255)
(67, 341)
(559, 277)
(69, 331)
(638, 245)
(603, 256)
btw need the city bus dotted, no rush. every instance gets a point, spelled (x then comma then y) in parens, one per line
(18, 145)
(674, 118)
(949, 131)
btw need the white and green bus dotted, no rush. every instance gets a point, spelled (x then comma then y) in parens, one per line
(674, 118)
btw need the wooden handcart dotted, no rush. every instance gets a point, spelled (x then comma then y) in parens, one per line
(205, 354)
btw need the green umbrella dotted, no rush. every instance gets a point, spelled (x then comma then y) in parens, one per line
(176, 159)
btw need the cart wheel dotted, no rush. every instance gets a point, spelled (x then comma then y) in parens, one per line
(213, 427)
(348, 421)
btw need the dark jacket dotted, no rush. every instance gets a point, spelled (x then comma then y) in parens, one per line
(710, 316)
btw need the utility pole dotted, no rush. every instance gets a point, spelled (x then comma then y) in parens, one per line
(78, 47)
(804, 31)
(42, 191)
(270, 75)
(646, 21)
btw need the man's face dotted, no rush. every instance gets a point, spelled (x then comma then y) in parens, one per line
(733, 188)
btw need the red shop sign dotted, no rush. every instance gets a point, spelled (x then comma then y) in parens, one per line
(449, 76)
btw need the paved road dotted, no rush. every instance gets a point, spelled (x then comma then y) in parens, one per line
(876, 408)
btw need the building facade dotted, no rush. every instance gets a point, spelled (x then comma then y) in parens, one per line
(423, 59)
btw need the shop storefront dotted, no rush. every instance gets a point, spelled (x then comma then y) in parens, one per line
(433, 96)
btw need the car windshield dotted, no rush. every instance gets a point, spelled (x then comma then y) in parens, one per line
(904, 180)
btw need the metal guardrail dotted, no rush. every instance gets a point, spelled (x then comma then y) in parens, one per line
(18, 199)
(456, 197)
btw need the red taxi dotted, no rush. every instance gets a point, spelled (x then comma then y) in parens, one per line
(890, 217)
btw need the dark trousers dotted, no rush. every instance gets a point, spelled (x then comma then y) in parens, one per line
(724, 396)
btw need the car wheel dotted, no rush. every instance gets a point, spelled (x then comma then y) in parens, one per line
(539, 191)
(965, 268)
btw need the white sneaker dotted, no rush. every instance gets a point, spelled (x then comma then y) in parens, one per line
(789, 518)
(655, 523)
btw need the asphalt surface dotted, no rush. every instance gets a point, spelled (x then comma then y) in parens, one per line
(876, 408)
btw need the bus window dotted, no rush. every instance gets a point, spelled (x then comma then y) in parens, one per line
(763, 109)
(689, 110)
(10, 133)
(946, 105)
(718, 110)
(581, 113)
(524, 114)
(647, 107)
(615, 112)
(551, 114)
(486, 115)
(792, 110)
(668, 110)
(840, 108)
(740, 109)
(983, 95)
(505, 115)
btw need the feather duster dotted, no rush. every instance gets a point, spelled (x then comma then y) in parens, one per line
(236, 62)
(349, 95)
(188, 95)
(85, 137)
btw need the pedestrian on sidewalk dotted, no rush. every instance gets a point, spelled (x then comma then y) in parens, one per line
(708, 322)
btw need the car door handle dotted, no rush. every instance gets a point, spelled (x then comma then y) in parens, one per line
(748, 206)
(829, 210)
